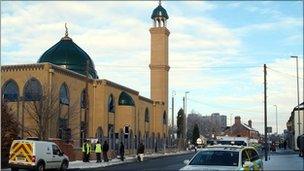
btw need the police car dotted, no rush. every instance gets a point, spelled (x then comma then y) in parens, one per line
(38, 155)
(227, 157)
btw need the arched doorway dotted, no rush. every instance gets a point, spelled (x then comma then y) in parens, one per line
(99, 134)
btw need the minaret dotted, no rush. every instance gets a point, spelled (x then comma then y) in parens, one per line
(159, 66)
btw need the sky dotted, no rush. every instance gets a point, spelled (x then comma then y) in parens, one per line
(216, 49)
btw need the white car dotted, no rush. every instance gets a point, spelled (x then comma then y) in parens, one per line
(38, 155)
(225, 158)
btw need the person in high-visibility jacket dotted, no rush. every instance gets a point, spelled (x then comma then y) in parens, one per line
(84, 151)
(88, 150)
(98, 150)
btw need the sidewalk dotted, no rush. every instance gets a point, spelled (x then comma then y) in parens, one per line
(284, 160)
(128, 159)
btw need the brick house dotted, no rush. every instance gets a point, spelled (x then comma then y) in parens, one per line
(239, 129)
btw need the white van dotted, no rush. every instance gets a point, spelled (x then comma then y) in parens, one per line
(38, 155)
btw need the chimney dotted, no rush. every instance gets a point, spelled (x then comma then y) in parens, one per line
(237, 120)
(250, 123)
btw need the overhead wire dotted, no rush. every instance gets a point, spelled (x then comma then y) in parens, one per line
(217, 106)
(286, 74)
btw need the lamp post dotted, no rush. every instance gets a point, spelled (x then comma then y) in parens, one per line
(276, 118)
(297, 64)
(173, 94)
(185, 111)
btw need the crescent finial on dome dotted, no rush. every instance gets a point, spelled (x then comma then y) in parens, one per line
(66, 30)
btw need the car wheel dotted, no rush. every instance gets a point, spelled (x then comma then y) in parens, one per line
(64, 166)
(14, 169)
(40, 167)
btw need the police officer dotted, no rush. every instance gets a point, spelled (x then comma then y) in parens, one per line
(98, 150)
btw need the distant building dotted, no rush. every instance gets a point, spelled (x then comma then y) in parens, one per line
(295, 126)
(239, 129)
(208, 125)
(220, 120)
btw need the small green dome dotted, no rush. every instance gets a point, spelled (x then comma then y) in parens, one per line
(159, 12)
(68, 55)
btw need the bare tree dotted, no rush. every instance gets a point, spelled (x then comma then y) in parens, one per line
(10, 128)
(44, 107)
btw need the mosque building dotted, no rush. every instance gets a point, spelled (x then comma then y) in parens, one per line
(62, 96)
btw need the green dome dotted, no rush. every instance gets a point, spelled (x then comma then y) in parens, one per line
(159, 12)
(68, 55)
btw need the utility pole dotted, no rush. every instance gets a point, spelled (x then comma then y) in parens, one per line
(184, 120)
(265, 112)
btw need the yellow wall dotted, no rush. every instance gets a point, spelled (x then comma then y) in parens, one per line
(99, 92)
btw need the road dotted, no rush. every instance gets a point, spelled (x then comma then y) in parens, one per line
(161, 163)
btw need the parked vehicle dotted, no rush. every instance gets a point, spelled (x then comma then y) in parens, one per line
(38, 155)
(225, 158)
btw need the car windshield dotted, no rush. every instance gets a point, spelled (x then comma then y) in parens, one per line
(220, 158)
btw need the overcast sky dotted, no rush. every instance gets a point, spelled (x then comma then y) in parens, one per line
(216, 49)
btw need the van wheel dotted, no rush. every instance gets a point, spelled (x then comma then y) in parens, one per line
(64, 166)
(40, 167)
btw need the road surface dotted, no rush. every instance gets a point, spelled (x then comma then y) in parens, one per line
(162, 163)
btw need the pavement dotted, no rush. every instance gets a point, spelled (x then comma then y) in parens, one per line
(284, 160)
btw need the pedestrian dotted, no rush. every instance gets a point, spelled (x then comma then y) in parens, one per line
(88, 150)
(122, 151)
(84, 151)
(98, 151)
(105, 150)
(140, 152)
(285, 144)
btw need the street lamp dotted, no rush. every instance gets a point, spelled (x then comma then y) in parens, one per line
(276, 118)
(172, 119)
(185, 112)
(186, 101)
(297, 63)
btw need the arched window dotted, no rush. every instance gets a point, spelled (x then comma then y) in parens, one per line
(32, 90)
(125, 99)
(83, 99)
(64, 94)
(99, 133)
(165, 118)
(147, 117)
(111, 104)
(10, 91)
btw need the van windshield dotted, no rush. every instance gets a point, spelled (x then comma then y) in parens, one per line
(220, 158)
